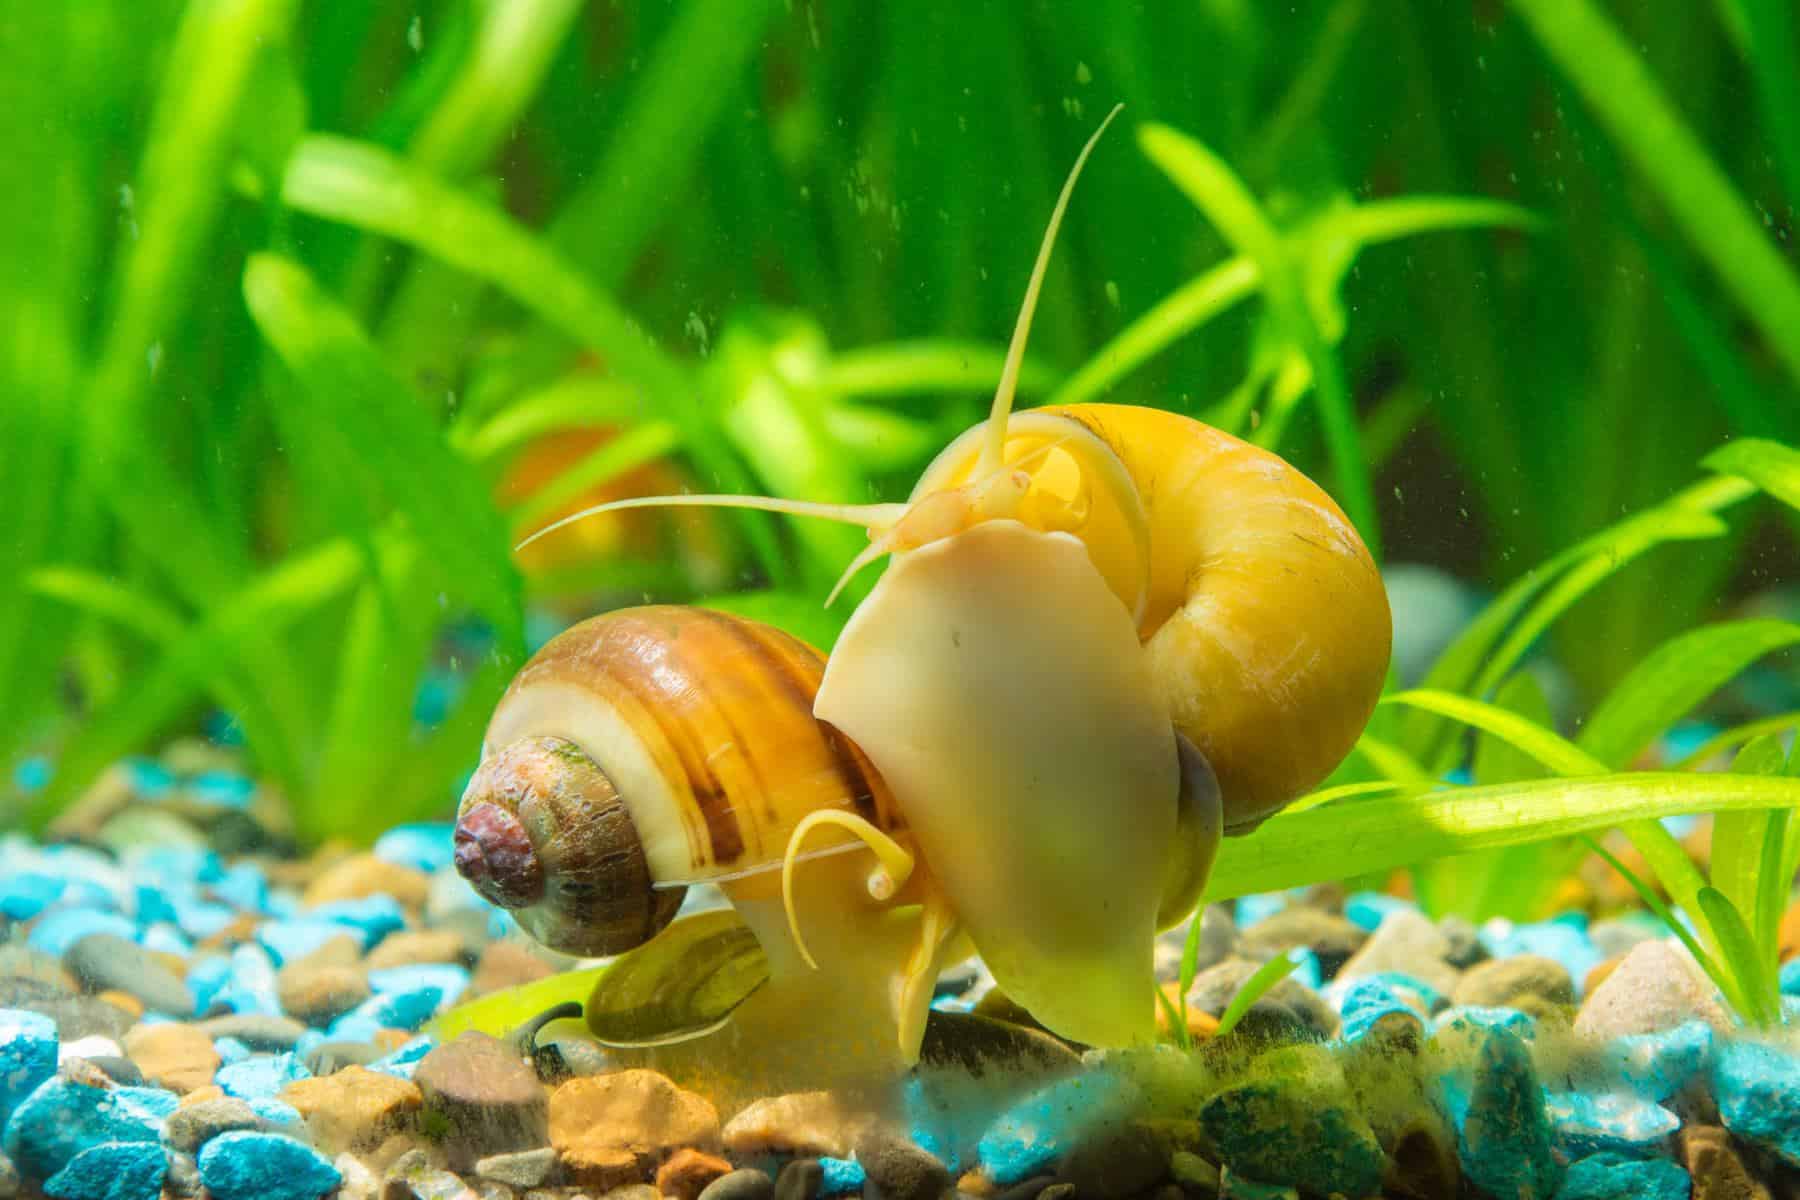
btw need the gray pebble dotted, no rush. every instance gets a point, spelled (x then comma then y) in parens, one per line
(120, 1070)
(1505, 981)
(1465, 942)
(22, 962)
(328, 1058)
(1115, 1165)
(521, 1169)
(898, 1170)
(1214, 988)
(76, 1017)
(1409, 944)
(105, 961)
(1333, 939)
(183, 1178)
(1614, 937)
(802, 1179)
(259, 1031)
(745, 1184)
(488, 1099)
(191, 1127)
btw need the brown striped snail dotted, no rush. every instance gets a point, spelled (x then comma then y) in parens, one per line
(1106, 635)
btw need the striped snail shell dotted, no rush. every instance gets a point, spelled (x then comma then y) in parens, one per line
(644, 750)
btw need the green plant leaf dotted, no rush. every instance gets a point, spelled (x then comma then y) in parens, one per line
(1771, 466)
(1735, 736)
(1228, 204)
(261, 609)
(1741, 959)
(1545, 745)
(1628, 101)
(1674, 678)
(367, 187)
(371, 428)
(1379, 833)
(641, 444)
(927, 365)
(1255, 988)
(573, 402)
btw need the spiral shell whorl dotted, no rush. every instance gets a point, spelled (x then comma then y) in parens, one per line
(543, 832)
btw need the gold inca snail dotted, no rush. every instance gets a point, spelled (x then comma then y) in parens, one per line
(1090, 613)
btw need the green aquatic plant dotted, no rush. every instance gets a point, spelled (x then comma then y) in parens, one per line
(457, 213)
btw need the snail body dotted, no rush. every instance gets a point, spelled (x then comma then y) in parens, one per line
(1106, 636)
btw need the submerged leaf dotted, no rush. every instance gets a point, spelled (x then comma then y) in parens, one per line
(1377, 834)
(681, 984)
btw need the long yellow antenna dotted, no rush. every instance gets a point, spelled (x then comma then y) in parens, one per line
(870, 516)
(995, 443)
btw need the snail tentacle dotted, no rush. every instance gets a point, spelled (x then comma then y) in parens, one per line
(994, 447)
(896, 863)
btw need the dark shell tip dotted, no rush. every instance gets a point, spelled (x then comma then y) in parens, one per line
(494, 853)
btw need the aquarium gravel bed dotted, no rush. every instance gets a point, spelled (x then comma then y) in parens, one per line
(187, 1009)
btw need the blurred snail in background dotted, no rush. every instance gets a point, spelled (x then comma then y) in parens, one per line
(1107, 635)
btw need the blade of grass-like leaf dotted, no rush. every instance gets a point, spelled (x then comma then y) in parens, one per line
(1228, 204)
(929, 365)
(1771, 466)
(511, 51)
(1396, 764)
(385, 439)
(1674, 678)
(1254, 988)
(1545, 745)
(1176, 1017)
(1493, 644)
(1738, 734)
(179, 189)
(1628, 101)
(881, 440)
(578, 402)
(1300, 101)
(1220, 287)
(1378, 834)
(679, 95)
(1343, 791)
(134, 609)
(1746, 852)
(261, 609)
(364, 186)
(157, 623)
(1720, 976)
(1777, 68)
(1741, 959)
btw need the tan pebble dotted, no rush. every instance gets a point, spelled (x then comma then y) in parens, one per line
(506, 964)
(343, 950)
(296, 874)
(386, 1156)
(611, 1129)
(1200, 1023)
(317, 994)
(390, 1039)
(1598, 972)
(413, 946)
(173, 963)
(241, 928)
(976, 1183)
(201, 1096)
(632, 1191)
(1656, 986)
(1712, 1162)
(364, 875)
(806, 1124)
(353, 1109)
(688, 1171)
(174, 1056)
(125, 1000)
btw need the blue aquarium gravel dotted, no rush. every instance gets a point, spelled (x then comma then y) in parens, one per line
(181, 1015)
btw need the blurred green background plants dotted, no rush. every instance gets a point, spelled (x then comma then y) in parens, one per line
(309, 311)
